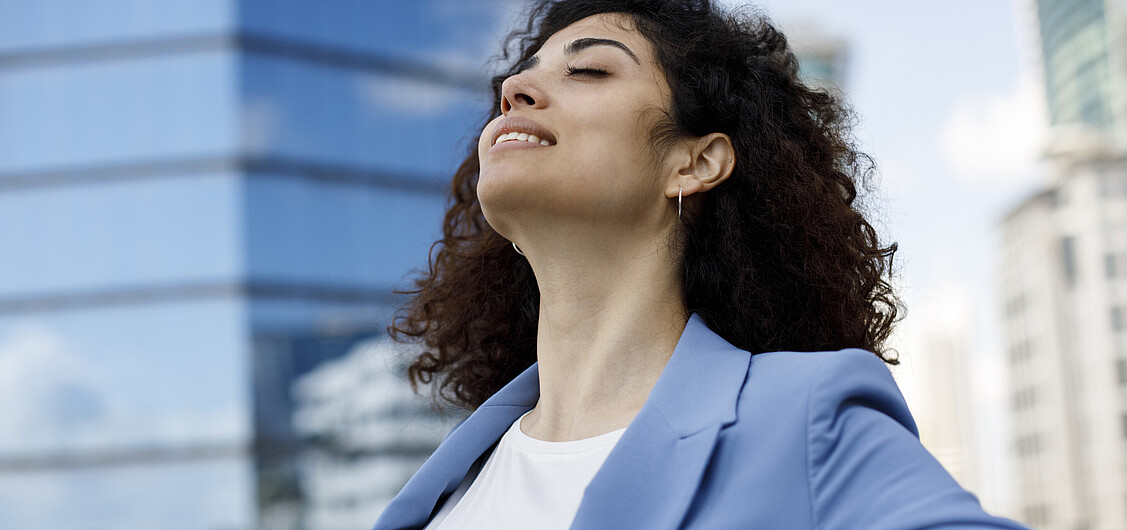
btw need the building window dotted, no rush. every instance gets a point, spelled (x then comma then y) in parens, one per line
(1117, 319)
(1110, 265)
(1026, 349)
(1025, 398)
(1121, 370)
(1021, 351)
(1015, 305)
(1028, 445)
(1068, 259)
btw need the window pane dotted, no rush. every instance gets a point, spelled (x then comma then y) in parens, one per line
(335, 417)
(54, 23)
(320, 114)
(430, 31)
(192, 495)
(118, 377)
(136, 110)
(125, 234)
(313, 232)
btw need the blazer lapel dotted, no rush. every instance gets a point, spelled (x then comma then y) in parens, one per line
(447, 466)
(651, 476)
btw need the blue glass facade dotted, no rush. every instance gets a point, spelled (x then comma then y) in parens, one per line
(200, 203)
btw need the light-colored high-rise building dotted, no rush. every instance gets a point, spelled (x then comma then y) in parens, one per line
(1062, 282)
(1063, 270)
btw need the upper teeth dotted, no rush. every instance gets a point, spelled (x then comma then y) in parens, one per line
(524, 137)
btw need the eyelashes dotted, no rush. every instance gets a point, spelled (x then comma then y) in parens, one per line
(571, 71)
(593, 72)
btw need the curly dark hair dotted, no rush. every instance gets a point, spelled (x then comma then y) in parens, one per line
(777, 258)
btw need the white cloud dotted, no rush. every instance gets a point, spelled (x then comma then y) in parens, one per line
(45, 390)
(997, 136)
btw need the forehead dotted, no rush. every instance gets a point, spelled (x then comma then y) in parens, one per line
(615, 26)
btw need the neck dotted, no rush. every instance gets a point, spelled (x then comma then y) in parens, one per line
(608, 324)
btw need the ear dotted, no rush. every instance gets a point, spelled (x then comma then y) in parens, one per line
(710, 161)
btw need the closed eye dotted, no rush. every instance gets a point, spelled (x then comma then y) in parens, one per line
(594, 72)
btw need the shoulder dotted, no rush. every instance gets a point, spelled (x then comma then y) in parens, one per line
(813, 386)
(795, 398)
(786, 431)
(849, 432)
(796, 366)
(818, 405)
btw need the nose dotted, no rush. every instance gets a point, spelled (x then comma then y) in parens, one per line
(519, 91)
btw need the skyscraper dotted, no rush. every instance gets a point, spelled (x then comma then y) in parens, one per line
(199, 203)
(1062, 269)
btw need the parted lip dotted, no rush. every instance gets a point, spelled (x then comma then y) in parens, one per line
(524, 125)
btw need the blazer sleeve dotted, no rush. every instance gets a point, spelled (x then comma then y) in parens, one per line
(866, 465)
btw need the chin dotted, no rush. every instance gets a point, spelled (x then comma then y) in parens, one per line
(508, 194)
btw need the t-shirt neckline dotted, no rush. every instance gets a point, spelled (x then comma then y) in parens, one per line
(527, 443)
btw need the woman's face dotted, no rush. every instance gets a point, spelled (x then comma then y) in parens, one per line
(591, 94)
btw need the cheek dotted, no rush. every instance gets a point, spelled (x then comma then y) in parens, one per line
(484, 139)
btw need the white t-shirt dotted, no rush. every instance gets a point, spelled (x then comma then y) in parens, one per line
(525, 483)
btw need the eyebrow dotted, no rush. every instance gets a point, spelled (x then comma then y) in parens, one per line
(578, 45)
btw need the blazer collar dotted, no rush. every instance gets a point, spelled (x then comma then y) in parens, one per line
(697, 388)
(649, 478)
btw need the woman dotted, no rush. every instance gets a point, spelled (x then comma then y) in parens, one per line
(659, 298)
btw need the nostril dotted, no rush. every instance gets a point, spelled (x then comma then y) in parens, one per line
(526, 99)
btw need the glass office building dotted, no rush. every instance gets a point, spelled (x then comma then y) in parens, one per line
(1079, 55)
(202, 203)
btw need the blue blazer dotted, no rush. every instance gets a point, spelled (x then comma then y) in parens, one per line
(779, 440)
